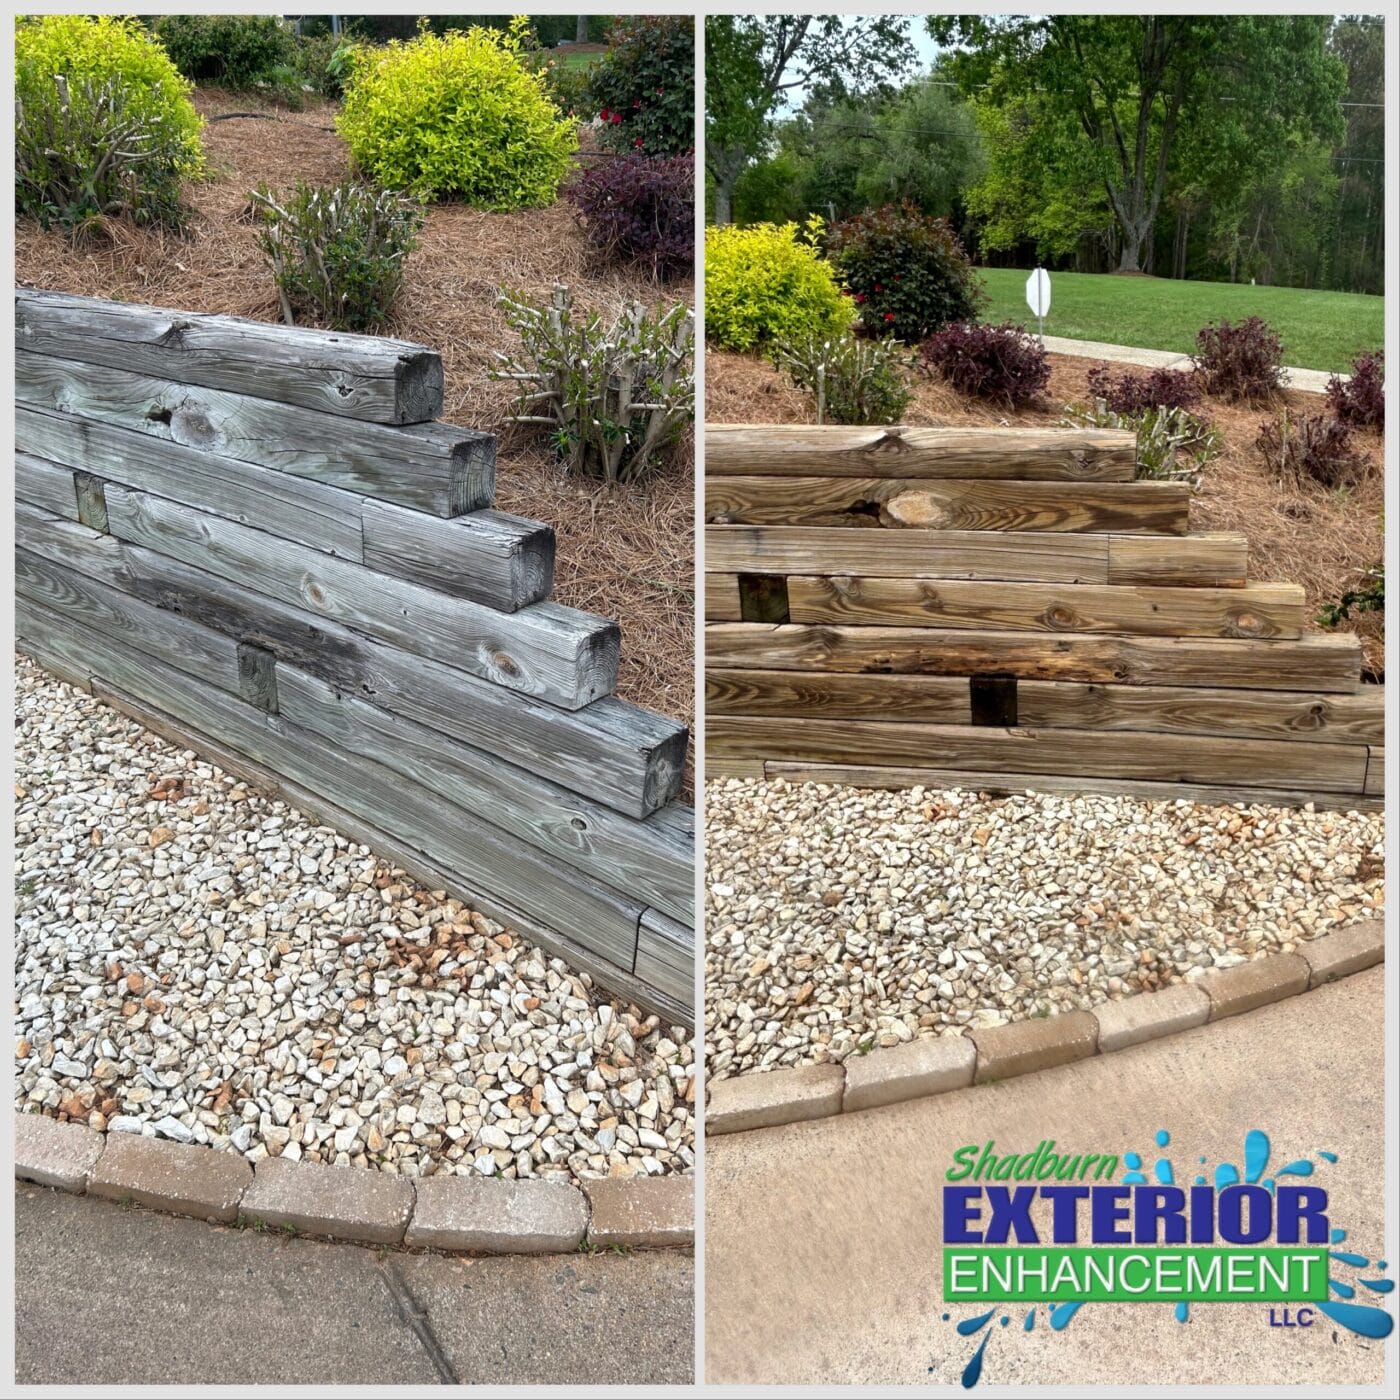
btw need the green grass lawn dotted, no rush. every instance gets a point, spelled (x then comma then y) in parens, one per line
(1320, 330)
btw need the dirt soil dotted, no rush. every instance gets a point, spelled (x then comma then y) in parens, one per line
(1324, 540)
(626, 553)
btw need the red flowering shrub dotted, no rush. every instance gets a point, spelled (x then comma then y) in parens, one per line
(641, 208)
(1127, 392)
(1003, 363)
(1309, 447)
(1240, 363)
(644, 86)
(906, 272)
(1360, 401)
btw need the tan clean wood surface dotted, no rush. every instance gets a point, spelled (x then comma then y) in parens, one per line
(974, 554)
(1009, 784)
(1258, 610)
(1098, 753)
(1322, 662)
(722, 598)
(938, 699)
(1135, 507)
(1253, 714)
(1213, 560)
(795, 449)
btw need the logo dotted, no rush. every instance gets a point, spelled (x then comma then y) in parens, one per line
(1059, 1230)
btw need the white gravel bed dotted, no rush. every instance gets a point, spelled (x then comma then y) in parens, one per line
(840, 919)
(198, 961)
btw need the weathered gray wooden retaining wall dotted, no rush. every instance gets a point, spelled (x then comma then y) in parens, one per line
(256, 539)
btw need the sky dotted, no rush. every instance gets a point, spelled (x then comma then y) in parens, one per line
(924, 48)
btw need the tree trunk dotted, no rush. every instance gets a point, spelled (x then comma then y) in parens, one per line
(726, 165)
(581, 30)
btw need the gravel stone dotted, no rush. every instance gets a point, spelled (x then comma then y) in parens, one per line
(197, 960)
(841, 920)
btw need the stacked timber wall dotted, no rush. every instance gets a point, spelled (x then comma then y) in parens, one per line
(257, 540)
(1008, 609)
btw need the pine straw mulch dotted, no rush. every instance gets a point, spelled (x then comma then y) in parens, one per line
(628, 553)
(1323, 540)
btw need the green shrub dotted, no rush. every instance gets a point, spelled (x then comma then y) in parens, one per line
(906, 272)
(234, 51)
(644, 86)
(615, 397)
(1369, 597)
(323, 62)
(461, 115)
(767, 283)
(103, 123)
(852, 381)
(338, 252)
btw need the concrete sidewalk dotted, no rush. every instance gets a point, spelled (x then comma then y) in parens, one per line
(107, 1296)
(823, 1239)
(1308, 381)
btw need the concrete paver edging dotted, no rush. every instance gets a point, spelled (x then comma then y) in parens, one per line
(450, 1214)
(922, 1068)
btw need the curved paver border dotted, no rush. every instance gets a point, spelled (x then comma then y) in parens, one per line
(451, 1214)
(921, 1068)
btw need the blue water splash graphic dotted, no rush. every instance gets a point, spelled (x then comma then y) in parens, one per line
(1365, 1321)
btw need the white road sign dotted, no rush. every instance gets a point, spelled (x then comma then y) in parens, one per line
(1038, 296)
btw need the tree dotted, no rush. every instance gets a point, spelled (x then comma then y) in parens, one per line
(1148, 91)
(581, 29)
(752, 61)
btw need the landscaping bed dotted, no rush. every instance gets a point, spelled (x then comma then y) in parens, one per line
(1324, 540)
(198, 961)
(841, 920)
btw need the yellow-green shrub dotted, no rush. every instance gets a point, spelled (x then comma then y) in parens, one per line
(767, 283)
(458, 115)
(103, 122)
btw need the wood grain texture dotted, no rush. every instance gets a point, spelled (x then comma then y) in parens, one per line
(722, 598)
(41, 654)
(1265, 610)
(560, 655)
(1321, 662)
(826, 695)
(431, 467)
(503, 561)
(354, 376)
(1167, 758)
(1219, 560)
(627, 758)
(1375, 771)
(654, 860)
(1138, 507)
(969, 554)
(720, 768)
(792, 449)
(46, 485)
(666, 954)
(460, 839)
(88, 606)
(320, 517)
(1011, 784)
(1249, 714)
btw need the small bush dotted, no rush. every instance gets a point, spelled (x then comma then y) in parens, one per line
(567, 85)
(1127, 392)
(103, 124)
(644, 86)
(1240, 363)
(1360, 401)
(462, 115)
(852, 381)
(616, 397)
(338, 252)
(234, 51)
(1172, 444)
(767, 283)
(640, 208)
(1369, 597)
(1309, 447)
(324, 62)
(1001, 363)
(906, 272)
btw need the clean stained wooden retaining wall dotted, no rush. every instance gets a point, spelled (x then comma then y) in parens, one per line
(1008, 609)
(259, 541)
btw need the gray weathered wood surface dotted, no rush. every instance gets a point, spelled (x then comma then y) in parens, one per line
(503, 561)
(627, 758)
(355, 376)
(795, 449)
(560, 655)
(666, 954)
(431, 467)
(46, 485)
